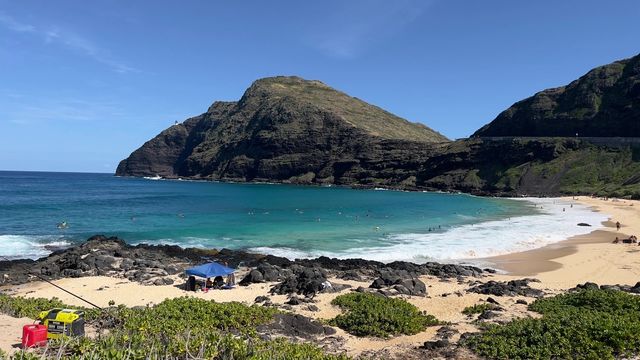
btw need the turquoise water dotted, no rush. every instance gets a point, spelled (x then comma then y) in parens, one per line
(280, 219)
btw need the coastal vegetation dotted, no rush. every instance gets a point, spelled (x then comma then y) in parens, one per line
(186, 328)
(588, 324)
(18, 306)
(376, 315)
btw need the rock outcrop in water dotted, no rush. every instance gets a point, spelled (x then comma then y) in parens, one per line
(290, 130)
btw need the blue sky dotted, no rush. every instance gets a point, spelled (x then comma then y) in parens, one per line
(84, 83)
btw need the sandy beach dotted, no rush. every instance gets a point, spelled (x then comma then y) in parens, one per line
(591, 257)
(559, 266)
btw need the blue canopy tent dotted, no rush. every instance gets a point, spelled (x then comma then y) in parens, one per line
(210, 270)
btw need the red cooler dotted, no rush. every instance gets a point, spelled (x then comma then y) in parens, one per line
(34, 335)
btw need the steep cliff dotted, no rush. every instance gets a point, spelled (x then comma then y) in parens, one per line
(603, 102)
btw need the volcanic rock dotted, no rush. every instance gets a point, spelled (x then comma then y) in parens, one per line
(509, 288)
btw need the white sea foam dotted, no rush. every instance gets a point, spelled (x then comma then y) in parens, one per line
(461, 243)
(290, 253)
(184, 242)
(30, 246)
(475, 241)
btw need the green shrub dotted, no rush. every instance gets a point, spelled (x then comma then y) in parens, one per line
(184, 328)
(372, 315)
(27, 307)
(185, 313)
(608, 301)
(18, 306)
(216, 346)
(590, 324)
(478, 308)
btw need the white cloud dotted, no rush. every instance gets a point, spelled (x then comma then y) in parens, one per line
(14, 25)
(354, 26)
(70, 40)
(62, 110)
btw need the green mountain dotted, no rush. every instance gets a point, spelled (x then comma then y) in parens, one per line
(290, 130)
(603, 102)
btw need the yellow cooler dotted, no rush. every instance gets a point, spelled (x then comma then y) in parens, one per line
(63, 322)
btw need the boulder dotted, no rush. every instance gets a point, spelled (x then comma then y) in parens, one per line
(401, 281)
(295, 325)
(437, 344)
(488, 314)
(510, 288)
(254, 276)
(304, 281)
(585, 286)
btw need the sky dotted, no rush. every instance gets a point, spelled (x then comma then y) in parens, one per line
(84, 83)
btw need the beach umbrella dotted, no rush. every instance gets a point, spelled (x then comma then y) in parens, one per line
(210, 270)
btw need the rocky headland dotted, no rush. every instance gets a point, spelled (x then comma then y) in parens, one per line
(291, 130)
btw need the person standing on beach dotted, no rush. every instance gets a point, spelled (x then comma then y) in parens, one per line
(617, 225)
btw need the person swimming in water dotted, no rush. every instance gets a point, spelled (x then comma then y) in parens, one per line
(62, 225)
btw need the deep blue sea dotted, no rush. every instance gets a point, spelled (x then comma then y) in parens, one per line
(287, 220)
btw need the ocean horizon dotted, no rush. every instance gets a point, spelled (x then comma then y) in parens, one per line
(285, 220)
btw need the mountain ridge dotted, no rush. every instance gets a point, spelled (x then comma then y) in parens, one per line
(603, 102)
(282, 128)
(291, 130)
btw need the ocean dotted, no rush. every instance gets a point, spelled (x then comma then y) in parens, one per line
(284, 220)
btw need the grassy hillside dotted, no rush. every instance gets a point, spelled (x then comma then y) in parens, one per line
(354, 111)
(603, 102)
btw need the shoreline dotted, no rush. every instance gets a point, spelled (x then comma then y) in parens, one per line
(590, 257)
(462, 241)
(559, 266)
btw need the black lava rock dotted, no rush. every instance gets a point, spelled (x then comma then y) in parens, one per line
(510, 288)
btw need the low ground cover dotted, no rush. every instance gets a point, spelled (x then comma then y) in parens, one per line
(589, 324)
(373, 315)
(184, 328)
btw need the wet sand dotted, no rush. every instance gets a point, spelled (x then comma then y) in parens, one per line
(591, 257)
